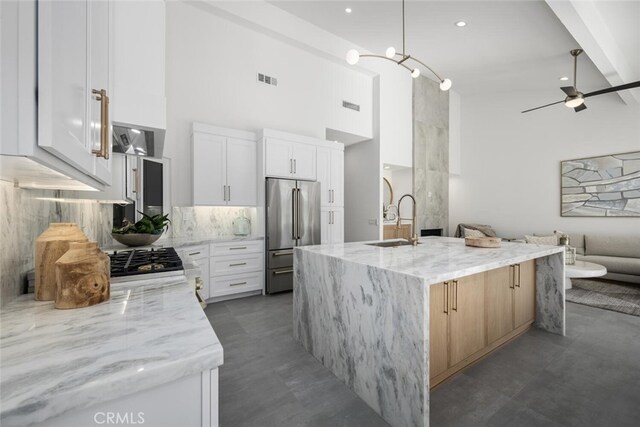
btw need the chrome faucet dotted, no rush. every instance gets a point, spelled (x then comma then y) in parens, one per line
(414, 237)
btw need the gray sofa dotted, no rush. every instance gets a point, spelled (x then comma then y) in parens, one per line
(619, 254)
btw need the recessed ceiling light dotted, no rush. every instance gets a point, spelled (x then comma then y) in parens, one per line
(564, 78)
(348, 10)
(461, 24)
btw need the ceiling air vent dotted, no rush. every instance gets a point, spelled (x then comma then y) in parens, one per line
(263, 78)
(351, 105)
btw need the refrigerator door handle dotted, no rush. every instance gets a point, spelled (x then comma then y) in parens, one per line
(293, 212)
(297, 211)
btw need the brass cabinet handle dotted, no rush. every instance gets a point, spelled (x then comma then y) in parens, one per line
(446, 297)
(195, 253)
(518, 283)
(237, 284)
(455, 299)
(512, 282)
(104, 123)
(237, 248)
(135, 180)
(237, 264)
(276, 273)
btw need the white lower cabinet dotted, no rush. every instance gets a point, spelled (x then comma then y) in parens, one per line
(189, 401)
(332, 225)
(236, 268)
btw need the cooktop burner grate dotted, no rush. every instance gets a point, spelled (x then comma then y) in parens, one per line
(144, 261)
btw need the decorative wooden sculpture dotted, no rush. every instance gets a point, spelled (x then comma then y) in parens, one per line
(83, 275)
(50, 246)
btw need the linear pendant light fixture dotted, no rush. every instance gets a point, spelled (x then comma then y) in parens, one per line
(353, 56)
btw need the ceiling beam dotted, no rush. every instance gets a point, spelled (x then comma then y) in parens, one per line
(587, 26)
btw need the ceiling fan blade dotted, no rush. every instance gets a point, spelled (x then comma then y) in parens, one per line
(569, 90)
(543, 106)
(613, 89)
(580, 108)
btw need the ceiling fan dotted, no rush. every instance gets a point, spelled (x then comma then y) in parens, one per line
(575, 99)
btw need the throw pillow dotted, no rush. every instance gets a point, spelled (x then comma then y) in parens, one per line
(542, 240)
(468, 232)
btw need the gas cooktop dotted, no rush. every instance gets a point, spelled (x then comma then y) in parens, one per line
(144, 261)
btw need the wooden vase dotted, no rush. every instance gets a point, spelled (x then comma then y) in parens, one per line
(82, 276)
(50, 246)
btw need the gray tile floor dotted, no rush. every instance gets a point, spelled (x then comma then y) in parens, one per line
(591, 377)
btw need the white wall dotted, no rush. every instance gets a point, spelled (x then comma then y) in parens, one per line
(363, 184)
(510, 162)
(211, 78)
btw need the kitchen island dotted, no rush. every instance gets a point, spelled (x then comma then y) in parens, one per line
(390, 321)
(147, 356)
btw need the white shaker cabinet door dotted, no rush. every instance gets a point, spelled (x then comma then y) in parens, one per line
(242, 179)
(209, 170)
(62, 82)
(337, 178)
(278, 158)
(337, 225)
(99, 79)
(304, 161)
(323, 162)
(325, 226)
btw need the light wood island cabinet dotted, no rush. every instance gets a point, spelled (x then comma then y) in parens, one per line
(473, 315)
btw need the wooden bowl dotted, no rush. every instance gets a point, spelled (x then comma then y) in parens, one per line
(135, 239)
(483, 242)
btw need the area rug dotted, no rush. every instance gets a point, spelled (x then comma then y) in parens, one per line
(610, 295)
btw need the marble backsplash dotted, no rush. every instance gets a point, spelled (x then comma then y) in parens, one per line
(27, 213)
(204, 221)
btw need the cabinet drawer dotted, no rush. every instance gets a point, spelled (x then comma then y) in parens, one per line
(220, 266)
(237, 248)
(237, 283)
(196, 252)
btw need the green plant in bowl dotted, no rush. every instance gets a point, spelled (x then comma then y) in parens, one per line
(142, 233)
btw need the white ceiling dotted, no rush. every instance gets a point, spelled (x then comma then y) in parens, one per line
(507, 46)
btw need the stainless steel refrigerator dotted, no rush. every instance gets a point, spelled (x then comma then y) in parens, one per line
(293, 219)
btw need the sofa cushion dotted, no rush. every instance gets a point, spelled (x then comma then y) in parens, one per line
(616, 264)
(622, 246)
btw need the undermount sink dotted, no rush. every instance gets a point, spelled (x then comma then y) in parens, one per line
(390, 243)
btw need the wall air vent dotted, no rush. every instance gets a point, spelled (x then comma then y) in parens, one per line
(351, 105)
(263, 78)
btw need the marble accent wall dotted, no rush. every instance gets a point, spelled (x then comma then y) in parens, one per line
(431, 154)
(25, 216)
(205, 221)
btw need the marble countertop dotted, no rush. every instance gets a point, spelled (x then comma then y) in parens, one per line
(435, 259)
(180, 242)
(149, 333)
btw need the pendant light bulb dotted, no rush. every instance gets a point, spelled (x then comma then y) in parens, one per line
(353, 57)
(574, 102)
(445, 84)
(391, 52)
(415, 73)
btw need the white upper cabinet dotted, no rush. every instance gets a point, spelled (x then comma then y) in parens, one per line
(209, 169)
(224, 167)
(242, 189)
(330, 166)
(138, 49)
(288, 159)
(278, 158)
(73, 122)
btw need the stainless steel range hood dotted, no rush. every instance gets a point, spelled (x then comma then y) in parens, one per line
(138, 140)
